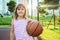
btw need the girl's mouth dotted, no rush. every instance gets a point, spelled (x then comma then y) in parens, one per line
(20, 12)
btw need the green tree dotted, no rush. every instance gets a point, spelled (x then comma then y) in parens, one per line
(40, 9)
(42, 12)
(11, 6)
(53, 4)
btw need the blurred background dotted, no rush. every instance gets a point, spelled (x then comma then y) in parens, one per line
(47, 12)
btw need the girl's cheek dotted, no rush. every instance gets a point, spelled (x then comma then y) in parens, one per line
(17, 11)
(23, 11)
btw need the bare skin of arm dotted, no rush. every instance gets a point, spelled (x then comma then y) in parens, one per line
(12, 31)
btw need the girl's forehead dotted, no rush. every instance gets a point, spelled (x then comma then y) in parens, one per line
(20, 7)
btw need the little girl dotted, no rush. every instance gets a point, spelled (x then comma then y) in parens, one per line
(19, 23)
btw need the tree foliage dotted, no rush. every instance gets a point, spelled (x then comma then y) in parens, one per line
(11, 6)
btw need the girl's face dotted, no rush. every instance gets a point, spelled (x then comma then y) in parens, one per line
(20, 11)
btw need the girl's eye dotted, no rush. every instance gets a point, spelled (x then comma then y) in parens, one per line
(18, 9)
(22, 9)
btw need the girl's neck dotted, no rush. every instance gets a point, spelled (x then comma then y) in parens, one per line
(20, 17)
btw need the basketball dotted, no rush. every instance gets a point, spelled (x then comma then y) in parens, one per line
(34, 28)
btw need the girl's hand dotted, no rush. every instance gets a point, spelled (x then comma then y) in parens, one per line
(35, 38)
(29, 20)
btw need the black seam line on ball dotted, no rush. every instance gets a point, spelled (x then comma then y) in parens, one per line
(35, 29)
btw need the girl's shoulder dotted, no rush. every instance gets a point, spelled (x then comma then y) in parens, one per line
(29, 19)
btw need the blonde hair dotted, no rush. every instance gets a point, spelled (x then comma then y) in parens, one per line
(19, 5)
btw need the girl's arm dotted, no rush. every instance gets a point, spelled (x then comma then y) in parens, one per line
(12, 31)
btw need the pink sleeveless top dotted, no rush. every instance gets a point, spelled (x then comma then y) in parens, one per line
(20, 30)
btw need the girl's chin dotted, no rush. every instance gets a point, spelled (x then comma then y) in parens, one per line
(20, 15)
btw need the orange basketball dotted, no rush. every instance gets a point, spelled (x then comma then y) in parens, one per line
(34, 28)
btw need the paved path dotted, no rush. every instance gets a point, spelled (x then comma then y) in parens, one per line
(4, 33)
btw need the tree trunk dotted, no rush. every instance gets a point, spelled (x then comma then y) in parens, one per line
(59, 12)
(37, 11)
(54, 18)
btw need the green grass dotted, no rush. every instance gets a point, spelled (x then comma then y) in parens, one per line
(4, 26)
(5, 21)
(51, 34)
